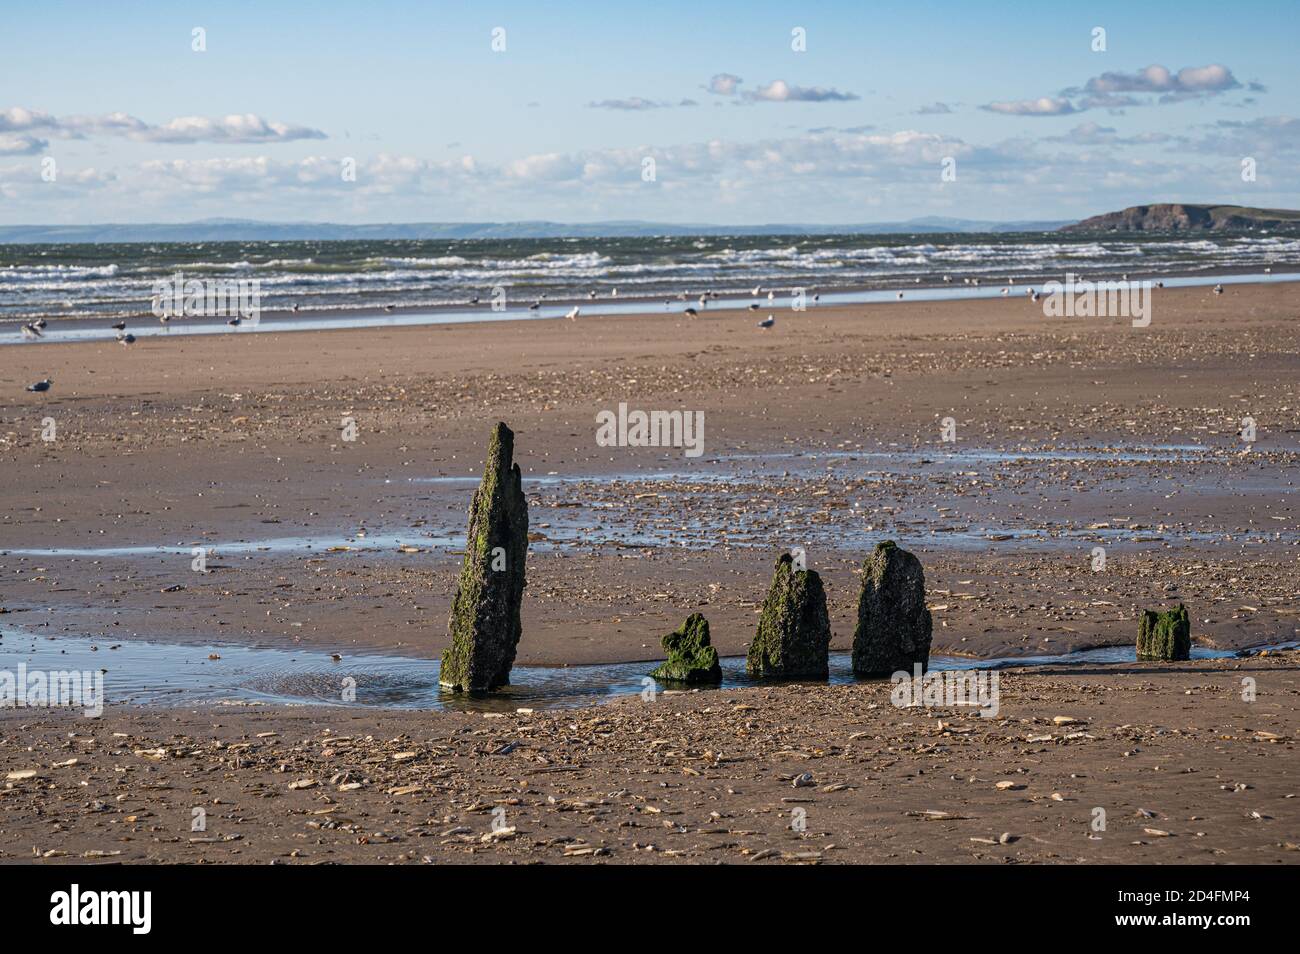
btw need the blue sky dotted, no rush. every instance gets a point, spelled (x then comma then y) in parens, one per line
(1011, 98)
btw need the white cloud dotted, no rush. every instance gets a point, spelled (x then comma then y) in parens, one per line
(631, 104)
(1094, 134)
(239, 128)
(636, 104)
(1119, 90)
(724, 84)
(235, 128)
(22, 145)
(779, 91)
(1264, 136)
(1214, 78)
(1043, 106)
(817, 176)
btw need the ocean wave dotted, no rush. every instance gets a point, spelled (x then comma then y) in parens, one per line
(36, 273)
(339, 276)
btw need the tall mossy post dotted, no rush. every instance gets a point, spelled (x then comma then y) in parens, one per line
(484, 624)
(690, 656)
(894, 625)
(794, 629)
(1165, 635)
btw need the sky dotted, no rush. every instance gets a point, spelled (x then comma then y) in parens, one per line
(681, 112)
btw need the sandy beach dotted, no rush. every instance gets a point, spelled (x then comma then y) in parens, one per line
(823, 433)
(1182, 770)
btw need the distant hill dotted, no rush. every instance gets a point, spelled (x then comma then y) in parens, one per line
(239, 230)
(1181, 217)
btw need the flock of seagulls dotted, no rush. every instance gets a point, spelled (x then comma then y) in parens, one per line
(33, 330)
(758, 292)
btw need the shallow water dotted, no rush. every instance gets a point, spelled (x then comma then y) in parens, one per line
(154, 673)
(216, 549)
(699, 497)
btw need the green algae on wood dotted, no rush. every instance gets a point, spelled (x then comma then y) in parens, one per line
(894, 625)
(484, 625)
(1165, 636)
(794, 630)
(691, 658)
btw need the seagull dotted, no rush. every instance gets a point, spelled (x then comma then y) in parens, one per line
(753, 306)
(975, 282)
(771, 296)
(691, 313)
(1035, 296)
(474, 300)
(816, 298)
(120, 326)
(591, 295)
(900, 296)
(767, 322)
(613, 293)
(31, 332)
(293, 307)
(1218, 289)
(704, 301)
(947, 279)
(534, 306)
(573, 314)
(40, 385)
(388, 308)
(127, 340)
(1160, 284)
(164, 318)
(758, 290)
(40, 323)
(234, 322)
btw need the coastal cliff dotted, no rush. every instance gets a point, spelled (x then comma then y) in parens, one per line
(1180, 217)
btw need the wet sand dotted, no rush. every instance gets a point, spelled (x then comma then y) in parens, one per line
(823, 433)
(1181, 767)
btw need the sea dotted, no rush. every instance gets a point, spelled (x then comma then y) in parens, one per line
(114, 281)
